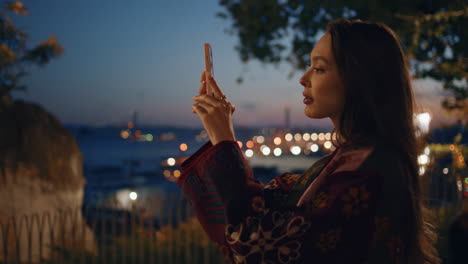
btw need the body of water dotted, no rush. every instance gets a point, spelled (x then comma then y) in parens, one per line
(129, 172)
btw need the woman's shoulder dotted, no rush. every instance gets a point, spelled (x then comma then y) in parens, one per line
(384, 159)
(348, 158)
(378, 159)
(368, 157)
(385, 163)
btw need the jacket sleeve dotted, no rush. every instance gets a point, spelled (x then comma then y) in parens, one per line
(252, 223)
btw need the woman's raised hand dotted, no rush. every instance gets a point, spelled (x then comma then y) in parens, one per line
(214, 110)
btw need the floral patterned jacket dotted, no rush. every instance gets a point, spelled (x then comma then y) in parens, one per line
(348, 207)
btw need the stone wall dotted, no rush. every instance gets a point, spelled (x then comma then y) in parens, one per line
(41, 185)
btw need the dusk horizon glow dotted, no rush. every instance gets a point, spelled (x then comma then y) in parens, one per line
(122, 57)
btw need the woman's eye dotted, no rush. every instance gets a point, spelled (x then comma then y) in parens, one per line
(318, 70)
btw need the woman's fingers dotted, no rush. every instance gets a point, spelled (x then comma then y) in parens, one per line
(214, 87)
(202, 77)
(207, 99)
(198, 109)
(202, 89)
(206, 106)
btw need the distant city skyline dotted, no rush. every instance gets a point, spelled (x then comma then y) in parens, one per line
(122, 57)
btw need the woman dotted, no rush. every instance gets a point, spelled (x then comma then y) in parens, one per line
(359, 204)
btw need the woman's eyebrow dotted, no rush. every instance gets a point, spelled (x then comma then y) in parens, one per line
(315, 58)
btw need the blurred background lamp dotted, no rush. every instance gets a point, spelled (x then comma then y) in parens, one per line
(277, 152)
(133, 195)
(314, 148)
(422, 121)
(296, 150)
(249, 153)
(266, 151)
(277, 140)
(171, 161)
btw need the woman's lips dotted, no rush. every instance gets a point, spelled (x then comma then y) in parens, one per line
(307, 100)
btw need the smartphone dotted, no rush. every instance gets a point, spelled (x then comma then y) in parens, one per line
(208, 59)
(208, 65)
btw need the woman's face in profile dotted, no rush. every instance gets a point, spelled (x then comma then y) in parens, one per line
(322, 83)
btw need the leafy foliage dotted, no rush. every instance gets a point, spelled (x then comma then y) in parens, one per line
(15, 56)
(433, 32)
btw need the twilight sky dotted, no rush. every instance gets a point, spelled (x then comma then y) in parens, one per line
(147, 55)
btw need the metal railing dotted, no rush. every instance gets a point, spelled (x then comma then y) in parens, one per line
(168, 233)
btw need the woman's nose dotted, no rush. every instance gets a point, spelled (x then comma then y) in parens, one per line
(303, 81)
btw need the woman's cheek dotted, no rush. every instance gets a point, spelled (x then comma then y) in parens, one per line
(318, 89)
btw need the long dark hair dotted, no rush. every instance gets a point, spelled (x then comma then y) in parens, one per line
(379, 109)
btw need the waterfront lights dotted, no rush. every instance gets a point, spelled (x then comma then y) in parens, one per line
(306, 136)
(277, 152)
(138, 133)
(277, 141)
(133, 196)
(260, 139)
(314, 147)
(250, 144)
(149, 137)
(265, 150)
(328, 136)
(314, 136)
(423, 159)
(124, 134)
(171, 161)
(177, 173)
(249, 153)
(298, 137)
(327, 144)
(295, 150)
(321, 136)
(288, 137)
(239, 143)
(183, 147)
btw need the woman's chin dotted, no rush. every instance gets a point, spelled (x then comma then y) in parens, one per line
(309, 112)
